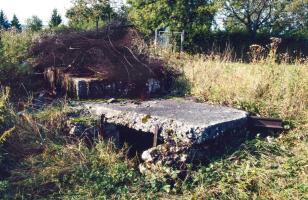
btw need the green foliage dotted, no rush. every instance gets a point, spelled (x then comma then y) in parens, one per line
(292, 20)
(88, 121)
(193, 16)
(4, 23)
(34, 23)
(7, 127)
(15, 62)
(85, 12)
(15, 23)
(276, 17)
(55, 20)
(65, 169)
(6, 116)
(15, 46)
(260, 169)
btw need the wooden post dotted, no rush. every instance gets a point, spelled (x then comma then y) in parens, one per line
(155, 136)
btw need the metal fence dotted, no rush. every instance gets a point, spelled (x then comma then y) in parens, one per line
(170, 40)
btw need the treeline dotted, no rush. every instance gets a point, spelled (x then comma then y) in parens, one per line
(33, 23)
(279, 17)
(237, 45)
(218, 24)
(207, 23)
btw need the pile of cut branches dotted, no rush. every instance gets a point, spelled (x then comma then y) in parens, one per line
(106, 55)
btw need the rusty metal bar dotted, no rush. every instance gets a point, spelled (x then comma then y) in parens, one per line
(261, 122)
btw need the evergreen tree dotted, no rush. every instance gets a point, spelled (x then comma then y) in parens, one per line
(4, 23)
(55, 20)
(15, 23)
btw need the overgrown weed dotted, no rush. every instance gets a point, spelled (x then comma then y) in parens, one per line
(264, 88)
(262, 168)
(43, 161)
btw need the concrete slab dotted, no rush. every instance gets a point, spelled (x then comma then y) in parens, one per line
(93, 88)
(175, 119)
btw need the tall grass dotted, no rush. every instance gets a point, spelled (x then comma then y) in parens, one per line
(42, 161)
(265, 88)
(263, 168)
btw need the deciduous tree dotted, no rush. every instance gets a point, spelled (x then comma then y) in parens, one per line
(34, 23)
(193, 16)
(90, 10)
(293, 19)
(270, 16)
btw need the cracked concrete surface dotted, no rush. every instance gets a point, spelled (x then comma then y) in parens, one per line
(177, 119)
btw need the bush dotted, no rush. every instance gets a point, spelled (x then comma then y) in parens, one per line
(6, 116)
(15, 46)
(7, 127)
(15, 59)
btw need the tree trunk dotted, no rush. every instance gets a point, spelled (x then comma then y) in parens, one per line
(97, 20)
(109, 17)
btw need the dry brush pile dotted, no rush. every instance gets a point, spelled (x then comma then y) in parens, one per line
(108, 54)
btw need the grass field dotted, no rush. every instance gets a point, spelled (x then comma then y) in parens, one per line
(45, 164)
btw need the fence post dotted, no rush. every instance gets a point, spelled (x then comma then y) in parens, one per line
(156, 36)
(182, 40)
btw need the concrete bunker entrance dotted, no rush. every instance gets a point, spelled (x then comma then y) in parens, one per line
(136, 141)
(192, 132)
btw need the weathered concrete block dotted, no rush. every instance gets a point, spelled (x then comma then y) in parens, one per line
(185, 127)
(95, 88)
(177, 119)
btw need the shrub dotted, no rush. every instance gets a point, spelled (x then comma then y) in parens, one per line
(6, 116)
(15, 46)
(15, 59)
(7, 127)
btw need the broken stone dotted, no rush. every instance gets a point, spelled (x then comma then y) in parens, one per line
(80, 129)
(77, 130)
(112, 100)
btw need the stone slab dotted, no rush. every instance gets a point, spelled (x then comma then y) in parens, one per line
(180, 120)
